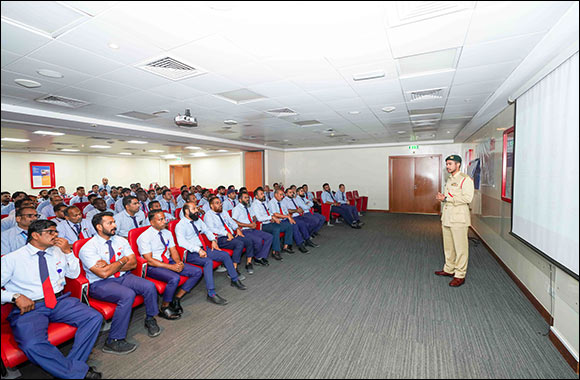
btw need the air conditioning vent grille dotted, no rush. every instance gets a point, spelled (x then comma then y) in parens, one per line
(282, 112)
(436, 93)
(61, 101)
(307, 123)
(171, 68)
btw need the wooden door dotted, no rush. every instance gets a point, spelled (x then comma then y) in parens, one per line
(413, 183)
(253, 169)
(179, 175)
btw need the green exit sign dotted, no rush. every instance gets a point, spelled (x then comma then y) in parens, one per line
(413, 147)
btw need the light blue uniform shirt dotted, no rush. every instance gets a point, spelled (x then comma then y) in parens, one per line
(125, 223)
(67, 230)
(269, 195)
(215, 224)
(88, 209)
(204, 205)
(159, 198)
(309, 195)
(328, 197)
(97, 249)
(186, 236)
(229, 204)
(241, 215)
(168, 216)
(8, 222)
(302, 204)
(13, 239)
(287, 202)
(180, 203)
(21, 272)
(167, 206)
(119, 205)
(107, 187)
(47, 212)
(198, 196)
(341, 197)
(221, 197)
(6, 209)
(261, 212)
(42, 205)
(111, 201)
(77, 199)
(150, 242)
(275, 208)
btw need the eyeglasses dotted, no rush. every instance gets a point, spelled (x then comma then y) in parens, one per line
(51, 232)
(31, 215)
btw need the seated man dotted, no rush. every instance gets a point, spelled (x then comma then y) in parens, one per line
(168, 203)
(99, 205)
(221, 193)
(108, 260)
(80, 197)
(119, 207)
(7, 204)
(203, 204)
(341, 198)
(62, 192)
(164, 264)
(182, 198)
(348, 213)
(10, 221)
(305, 225)
(311, 198)
(155, 205)
(104, 193)
(131, 217)
(305, 204)
(272, 224)
(150, 196)
(142, 198)
(113, 198)
(17, 236)
(223, 226)
(48, 211)
(90, 207)
(59, 213)
(105, 185)
(281, 212)
(44, 202)
(33, 279)
(245, 218)
(230, 201)
(74, 226)
(187, 232)
(268, 193)
(94, 189)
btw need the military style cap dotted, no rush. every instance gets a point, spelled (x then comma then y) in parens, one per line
(454, 157)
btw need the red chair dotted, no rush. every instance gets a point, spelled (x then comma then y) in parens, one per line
(82, 205)
(4, 216)
(177, 213)
(133, 236)
(58, 333)
(325, 211)
(112, 206)
(362, 202)
(230, 212)
(107, 309)
(66, 200)
(350, 199)
(50, 217)
(251, 193)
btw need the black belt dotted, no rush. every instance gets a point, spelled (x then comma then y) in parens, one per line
(56, 295)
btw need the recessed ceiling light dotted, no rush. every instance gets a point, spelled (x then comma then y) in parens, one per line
(48, 133)
(155, 151)
(222, 151)
(230, 122)
(354, 112)
(169, 156)
(501, 129)
(192, 147)
(137, 142)
(401, 132)
(27, 83)
(369, 75)
(448, 131)
(126, 153)
(389, 109)
(50, 73)
(100, 146)
(11, 139)
(113, 45)
(69, 150)
(200, 154)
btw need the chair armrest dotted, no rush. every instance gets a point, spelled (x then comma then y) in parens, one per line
(141, 269)
(259, 226)
(78, 288)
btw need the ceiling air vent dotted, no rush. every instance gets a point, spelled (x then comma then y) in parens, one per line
(282, 112)
(308, 123)
(61, 143)
(404, 12)
(170, 68)
(436, 93)
(61, 101)
(99, 138)
(137, 115)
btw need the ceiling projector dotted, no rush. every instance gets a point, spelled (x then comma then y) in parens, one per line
(186, 121)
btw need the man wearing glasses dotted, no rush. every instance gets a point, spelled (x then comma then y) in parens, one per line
(15, 237)
(33, 279)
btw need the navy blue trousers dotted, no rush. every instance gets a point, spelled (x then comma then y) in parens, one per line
(316, 221)
(172, 278)
(349, 213)
(237, 245)
(30, 332)
(275, 229)
(122, 291)
(262, 242)
(207, 264)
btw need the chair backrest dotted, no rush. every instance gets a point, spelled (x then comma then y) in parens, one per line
(355, 193)
(50, 217)
(349, 195)
(77, 248)
(4, 216)
(82, 205)
(66, 200)
(251, 193)
(230, 212)
(177, 213)
(319, 194)
(133, 236)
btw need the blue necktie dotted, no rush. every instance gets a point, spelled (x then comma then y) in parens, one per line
(195, 228)
(334, 199)
(24, 234)
(111, 251)
(224, 223)
(280, 207)
(134, 221)
(78, 228)
(294, 203)
(266, 208)
(47, 290)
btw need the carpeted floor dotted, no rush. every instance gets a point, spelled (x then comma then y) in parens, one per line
(366, 304)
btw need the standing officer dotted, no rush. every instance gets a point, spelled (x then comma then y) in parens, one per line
(455, 219)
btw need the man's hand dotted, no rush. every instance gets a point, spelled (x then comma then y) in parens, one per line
(101, 264)
(214, 245)
(300, 211)
(291, 220)
(275, 220)
(177, 267)
(440, 197)
(253, 225)
(239, 232)
(202, 253)
(24, 303)
(230, 237)
(63, 244)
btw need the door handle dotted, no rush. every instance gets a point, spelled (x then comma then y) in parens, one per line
(415, 187)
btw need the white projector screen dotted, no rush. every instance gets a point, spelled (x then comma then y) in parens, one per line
(545, 193)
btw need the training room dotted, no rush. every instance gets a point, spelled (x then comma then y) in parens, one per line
(223, 189)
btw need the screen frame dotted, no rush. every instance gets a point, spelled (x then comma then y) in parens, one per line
(512, 233)
(504, 164)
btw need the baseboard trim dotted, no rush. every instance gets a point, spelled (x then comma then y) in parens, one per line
(386, 211)
(539, 307)
(560, 346)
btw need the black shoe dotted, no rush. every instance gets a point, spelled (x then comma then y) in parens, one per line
(360, 223)
(315, 234)
(119, 347)
(240, 276)
(176, 305)
(250, 268)
(310, 243)
(153, 329)
(168, 313)
(93, 374)
(355, 226)
(276, 256)
(303, 249)
(266, 262)
(217, 300)
(259, 262)
(238, 284)
(288, 250)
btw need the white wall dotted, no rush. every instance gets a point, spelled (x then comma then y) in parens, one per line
(80, 170)
(362, 169)
(274, 167)
(214, 171)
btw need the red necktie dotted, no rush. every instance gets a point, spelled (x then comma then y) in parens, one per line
(163, 257)
(249, 216)
(49, 296)
(225, 225)
(266, 208)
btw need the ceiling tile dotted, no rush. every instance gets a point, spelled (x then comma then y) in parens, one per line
(19, 40)
(30, 66)
(475, 88)
(137, 78)
(211, 83)
(337, 93)
(47, 85)
(8, 57)
(107, 87)
(176, 90)
(429, 81)
(498, 71)
(87, 96)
